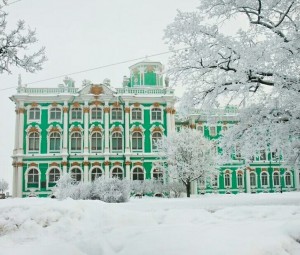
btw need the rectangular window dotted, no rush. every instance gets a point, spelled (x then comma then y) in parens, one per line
(212, 131)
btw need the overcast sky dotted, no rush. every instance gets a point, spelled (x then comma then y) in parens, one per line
(83, 34)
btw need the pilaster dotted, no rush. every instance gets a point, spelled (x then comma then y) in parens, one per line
(296, 179)
(127, 168)
(65, 134)
(86, 169)
(86, 111)
(20, 179)
(248, 186)
(106, 127)
(21, 129)
(127, 111)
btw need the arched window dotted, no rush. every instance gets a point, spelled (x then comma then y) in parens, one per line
(96, 113)
(138, 174)
(55, 139)
(76, 113)
(55, 114)
(156, 114)
(214, 181)
(117, 141)
(76, 174)
(276, 179)
(33, 176)
(34, 142)
(96, 141)
(264, 179)
(96, 173)
(54, 175)
(117, 173)
(240, 180)
(137, 141)
(157, 175)
(156, 136)
(34, 113)
(252, 179)
(116, 113)
(227, 180)
(136, 114)
(76, 141)
(288, 179)
(200, 128)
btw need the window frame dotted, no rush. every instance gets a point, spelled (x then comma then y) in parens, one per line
(81, 142)
(36, 111)
(113, 118)
(98, 110)
(57, 110)
(112, 141)
(78, 111)
(154, 147)
(36, 142)
(76, 174)
(60, 142)
(96, 150)
(156, 110)
(138, 141)
(94, 176)
(133, 173)
(118, 174)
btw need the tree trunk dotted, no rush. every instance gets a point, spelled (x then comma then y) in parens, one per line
(188, 189)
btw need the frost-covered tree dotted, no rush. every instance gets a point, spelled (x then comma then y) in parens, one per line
(15, 46)
(258, 66)
(187, 156)
(3, 185)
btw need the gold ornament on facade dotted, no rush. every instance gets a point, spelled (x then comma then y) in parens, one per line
(86, 163)
(97, 103)
(156, 104)
(173, 111)
(156, 129)
(96, 90)
(106, 110)
(192, 126)
(96, 164)
(239, 172)
(33, 129)
(65, 109)
(54, 129)
(96, 129)
(227, 172)
(106, 163)
(117, 129)
(116, 104)
(54, 164)
(150, 68)
(117, 164)
(64, 163)
(86, 109)
(76, 129)
(127, 163)
(34, 104)
(127, 110)
(75, 164)
(136, 104)
(54, 104)
(19, 164)
(137, 129)
(76, 105)
(32, 164)
(169, 110)
(21, 110)
(138, 163)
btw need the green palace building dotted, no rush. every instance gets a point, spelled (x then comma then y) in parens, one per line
(99, 130)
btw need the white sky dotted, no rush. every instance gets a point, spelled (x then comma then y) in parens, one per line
(83, 34)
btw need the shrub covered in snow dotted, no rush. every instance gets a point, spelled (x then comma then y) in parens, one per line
(3, 186)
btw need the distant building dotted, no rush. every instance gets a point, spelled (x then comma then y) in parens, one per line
(99, 130)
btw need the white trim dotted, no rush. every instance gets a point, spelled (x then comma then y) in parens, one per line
(268, 179)
(26, 179)
(114, 167)
(243, 176)
(273, 179)
(122, 112)
(251, 186)
(162, 114)
(141, 167)
(80, 168)
(70, 114)
(92, 168)
(28, 108)
(142, 114)
(49, 108)
(102, 113)
(47, 174)
(291, 178)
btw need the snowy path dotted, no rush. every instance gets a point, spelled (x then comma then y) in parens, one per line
(211, 224)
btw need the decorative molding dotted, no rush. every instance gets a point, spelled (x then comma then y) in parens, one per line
(86, 109)
(106, 163)
(127, 163)
(116, 104)
(193, 126)
(86, 163)
(106, 109)
(96, 129)
(54, 104)
(156, 129)
(173, 111)
(117, 163)
(96, 90)
(34, 104)
(168, 110)
(227, 172)
(137, 129)
(65, 109)
(54, 164)
(64, 163)
(116, 129)
(200, 123)
(96, 164)
(156, 104)
(240, 172)
(97, 103)
(54, 129)
(33, 164)
(21, 110)
(76, 105)
(76, 129)
(138, 164)
(127, 110)
(33, 129)
(19, 164)
(136, 104)
(75, 164)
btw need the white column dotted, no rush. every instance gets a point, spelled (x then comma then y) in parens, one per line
(65, 134)
(168, 110)
(248, 186)
(21, 130)
(15, 181)
(127, 168)
(86, 110)
(20, 179)
(64, 165)
(127, 111)
(296, 175)
(16, 131)
(106, 167)
(106, 128)
(173, 120)
(86, 169)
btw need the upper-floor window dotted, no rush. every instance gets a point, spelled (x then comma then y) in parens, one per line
(55, 141)
(117, 141)
(34, 113)
(34, 142)
(137, 141)
(55, 114)
(76, 141)
(116, 113)
(76, 114)
(96, 141)
(212, 131)
(96, 113)
(136, 114)
(156, 137)
(156, 114)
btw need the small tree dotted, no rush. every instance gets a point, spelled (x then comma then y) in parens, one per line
(187, 156)
(3, 186)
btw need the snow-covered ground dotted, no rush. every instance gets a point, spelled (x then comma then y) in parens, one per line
(210, 224)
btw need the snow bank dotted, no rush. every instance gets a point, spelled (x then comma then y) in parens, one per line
(210, 224)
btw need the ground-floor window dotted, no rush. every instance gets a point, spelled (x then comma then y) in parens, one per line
(54, 175)
(252, 179)
(96, 173)
(227, 181)
(76, 174)
(138, 174)
(276, 179)
(117, 173)
(288, 179)
(264, 179)
(33, 176)
(240, 180)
